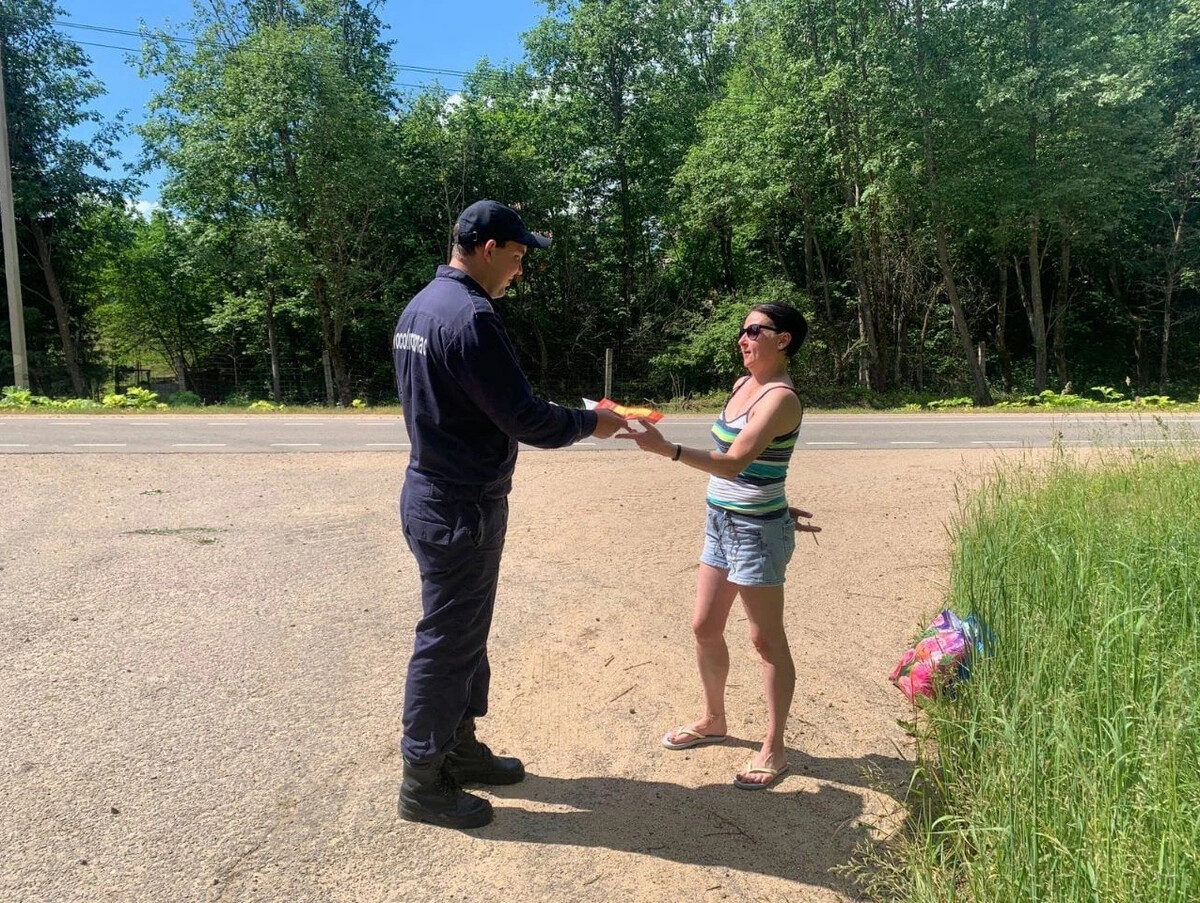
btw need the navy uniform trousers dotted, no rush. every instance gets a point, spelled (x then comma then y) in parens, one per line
(457, 545)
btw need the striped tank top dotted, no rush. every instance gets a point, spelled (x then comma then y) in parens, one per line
(758, 491)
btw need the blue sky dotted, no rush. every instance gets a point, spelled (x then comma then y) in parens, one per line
(452, 35)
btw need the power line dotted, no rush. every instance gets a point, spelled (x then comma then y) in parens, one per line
(163, 37)
(138, 50)
(761, 104)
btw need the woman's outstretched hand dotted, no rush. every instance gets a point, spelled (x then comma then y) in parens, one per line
(649, 439)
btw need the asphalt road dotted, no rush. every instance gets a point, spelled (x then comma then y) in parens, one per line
(216, 434)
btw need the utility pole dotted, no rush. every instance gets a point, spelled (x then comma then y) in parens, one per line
(12, 266)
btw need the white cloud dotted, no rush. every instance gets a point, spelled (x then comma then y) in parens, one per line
(144, 208)
(449, 105)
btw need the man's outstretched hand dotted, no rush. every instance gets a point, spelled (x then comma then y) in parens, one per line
(607, 423)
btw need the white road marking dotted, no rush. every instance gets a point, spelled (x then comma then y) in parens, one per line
(389, 445)
(831, 443)
(227, 423)
(295, 445)
(14, 445)
(995, 441)
(198, 445)
(587, 444)
(913, 442)
(99, 445)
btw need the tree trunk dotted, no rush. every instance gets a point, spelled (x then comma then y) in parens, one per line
(330, 330)
(809, 280)
(337, 367)
(1139, 352)
(812, 253)
(824, 280)
(626, 242)
(61, 314)
(1168, 298)
(1164, 361)
(868, 356)
(328, 371)
(1058, 316)
(921, 350)
(881, 299)
(1136, 315)
(1036, 310)
(1001, 329)
(273, 346)
(898, 338)
(979, 388)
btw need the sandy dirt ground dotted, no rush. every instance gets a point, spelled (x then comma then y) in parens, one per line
(204, 656)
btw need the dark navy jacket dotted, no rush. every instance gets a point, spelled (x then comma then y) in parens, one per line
(466, 401)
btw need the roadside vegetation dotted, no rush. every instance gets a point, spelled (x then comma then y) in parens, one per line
(13, 399)
(1067, 768)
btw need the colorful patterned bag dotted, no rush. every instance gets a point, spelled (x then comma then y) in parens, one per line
(940, 656)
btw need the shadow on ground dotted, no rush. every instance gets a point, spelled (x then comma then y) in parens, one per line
(798, 835)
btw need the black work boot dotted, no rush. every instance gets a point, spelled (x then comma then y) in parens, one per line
(430, 794)
(471, 762)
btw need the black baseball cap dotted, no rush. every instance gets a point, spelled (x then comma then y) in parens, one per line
(485, 220)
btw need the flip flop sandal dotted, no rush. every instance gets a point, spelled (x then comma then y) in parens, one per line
(751, 768)
(696, 738)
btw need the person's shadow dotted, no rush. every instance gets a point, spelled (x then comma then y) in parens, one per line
(799, 834)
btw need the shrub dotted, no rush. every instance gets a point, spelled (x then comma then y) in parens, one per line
(185, 400)
(16, 399)
(134, 397)
(1108, 393)
(78, 404)
(1155, 401)
(960, 402)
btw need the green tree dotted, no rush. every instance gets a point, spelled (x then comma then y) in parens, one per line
(156, 293)
(57, 167)
(280, 110)
(625, 81)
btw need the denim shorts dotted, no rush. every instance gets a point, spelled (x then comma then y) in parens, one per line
(754, 550)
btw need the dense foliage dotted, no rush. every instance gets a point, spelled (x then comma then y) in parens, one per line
(966, 197)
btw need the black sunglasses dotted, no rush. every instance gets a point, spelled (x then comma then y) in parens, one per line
(754, 330)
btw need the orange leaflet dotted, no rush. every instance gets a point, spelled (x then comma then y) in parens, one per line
(628, 412)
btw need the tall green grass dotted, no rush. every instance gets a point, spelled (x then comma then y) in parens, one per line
(1068, 767)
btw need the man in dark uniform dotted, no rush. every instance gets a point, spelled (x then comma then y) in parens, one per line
(466, 406)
